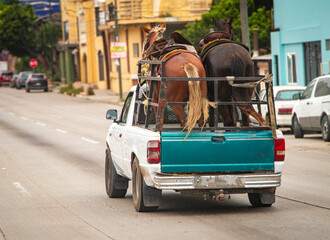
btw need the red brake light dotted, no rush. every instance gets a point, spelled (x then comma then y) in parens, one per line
(20, 79)
(285, 111)
(153, 152)
(279, 146)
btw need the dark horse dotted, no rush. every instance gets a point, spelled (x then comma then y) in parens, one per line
(228, 59)
(184, 64)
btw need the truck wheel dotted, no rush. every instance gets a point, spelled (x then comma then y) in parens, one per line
(261, 199)
(27, 89)
(116, 185)
(298, 132)
(145, 199)
(325, 129)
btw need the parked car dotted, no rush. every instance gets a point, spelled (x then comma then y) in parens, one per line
(285, 97)
(5, 77)
(36, 81)
(13, 80)
(311, 113)
(22, 77)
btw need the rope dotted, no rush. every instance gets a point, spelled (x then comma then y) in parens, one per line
(267, 79)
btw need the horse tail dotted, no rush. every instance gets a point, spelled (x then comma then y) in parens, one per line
(197, 103)
(245, 94)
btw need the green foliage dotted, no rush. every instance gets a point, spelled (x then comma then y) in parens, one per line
(69, 90)
(17, 29)
(261, 20)
(90, 91)
(47, 38)
(223, 9)
(23, 65)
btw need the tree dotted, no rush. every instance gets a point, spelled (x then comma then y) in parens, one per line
(46, 41)
(17, 29)
(222, 9)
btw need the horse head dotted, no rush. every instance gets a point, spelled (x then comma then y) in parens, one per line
(154, 34)
(224, 25)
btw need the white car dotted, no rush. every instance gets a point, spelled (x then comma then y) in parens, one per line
(285, 97)
(312, 112)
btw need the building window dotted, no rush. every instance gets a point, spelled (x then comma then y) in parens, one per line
(292, 73)
(66, 30)
(111, 9)
(101, 66)
(327, 44)
(136, 50)
(97, 21)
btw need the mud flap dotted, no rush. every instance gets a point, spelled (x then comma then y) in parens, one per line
(151, 196)
(267, 198)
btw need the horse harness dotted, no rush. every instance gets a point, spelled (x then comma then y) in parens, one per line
(214, 39)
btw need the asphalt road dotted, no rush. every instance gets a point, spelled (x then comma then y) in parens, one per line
(52, 183)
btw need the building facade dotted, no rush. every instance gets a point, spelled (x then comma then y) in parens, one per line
(300, 41)
(89, 36)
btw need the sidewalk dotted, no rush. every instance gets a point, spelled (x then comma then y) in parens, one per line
(104, 96)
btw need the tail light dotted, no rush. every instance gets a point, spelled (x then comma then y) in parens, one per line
(285, 111)
(279, 147)
(20, 79)
(153, 152)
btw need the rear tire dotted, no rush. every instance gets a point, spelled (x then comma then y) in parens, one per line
(261, 199)
(325, 129)
(46, 90)
(297, 130)
(27, 89)
(145, 199)
(116, 185)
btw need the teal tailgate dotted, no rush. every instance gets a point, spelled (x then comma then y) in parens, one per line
(217, 152)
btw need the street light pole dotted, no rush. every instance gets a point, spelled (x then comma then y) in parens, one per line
(118, 64)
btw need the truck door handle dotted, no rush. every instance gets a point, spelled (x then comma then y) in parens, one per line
(218, 139)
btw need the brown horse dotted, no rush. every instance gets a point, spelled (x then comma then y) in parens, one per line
(184, 64)
(229, 59)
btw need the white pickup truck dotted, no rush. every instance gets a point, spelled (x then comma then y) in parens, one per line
(209, 162)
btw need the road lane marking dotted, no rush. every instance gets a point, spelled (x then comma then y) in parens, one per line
(41, 124)
(60, 130)
(24, 118)
(11, 113)
(89, 140)
(21, 189)
(3, 168)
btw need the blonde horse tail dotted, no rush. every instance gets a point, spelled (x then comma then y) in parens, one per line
(197, 103)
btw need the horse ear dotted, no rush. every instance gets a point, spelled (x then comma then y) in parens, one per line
(230, 21)
(146, 30)
(163, 25)
(214, 22)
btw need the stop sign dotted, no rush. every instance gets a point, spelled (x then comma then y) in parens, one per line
(33, 63)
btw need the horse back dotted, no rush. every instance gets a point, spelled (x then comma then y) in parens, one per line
(228, 59)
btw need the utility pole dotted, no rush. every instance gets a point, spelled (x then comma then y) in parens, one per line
(50, 10)
(244, 23)
(118, 59)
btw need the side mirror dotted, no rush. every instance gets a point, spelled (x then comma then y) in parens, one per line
(111, 114)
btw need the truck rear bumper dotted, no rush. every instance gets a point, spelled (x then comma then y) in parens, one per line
(217, 181)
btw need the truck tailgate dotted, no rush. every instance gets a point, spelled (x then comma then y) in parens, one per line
(217, 151)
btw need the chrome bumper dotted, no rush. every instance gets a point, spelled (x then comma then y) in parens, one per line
(216, 181)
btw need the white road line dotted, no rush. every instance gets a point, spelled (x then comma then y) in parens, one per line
(24, 118)
(60, 130)
(41, 124)
(21, 189)
(11, 113)
(3, 168)
(89, 140)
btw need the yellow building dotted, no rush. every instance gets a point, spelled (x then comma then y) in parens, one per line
(89, 28)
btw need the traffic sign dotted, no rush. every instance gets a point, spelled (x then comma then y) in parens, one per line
(33, 63)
